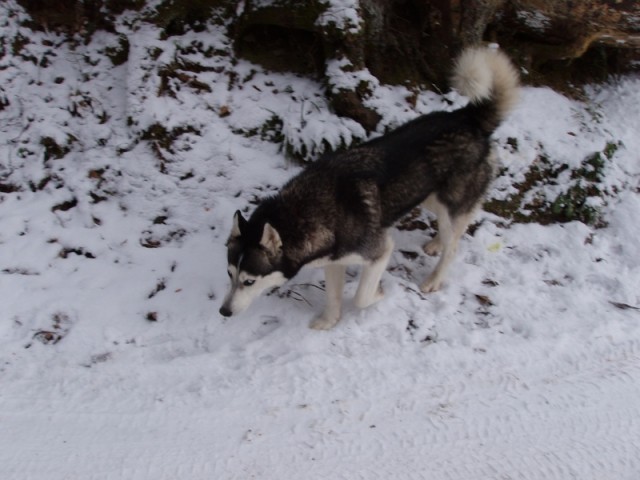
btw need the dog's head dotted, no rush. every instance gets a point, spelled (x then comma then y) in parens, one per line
(254, 254)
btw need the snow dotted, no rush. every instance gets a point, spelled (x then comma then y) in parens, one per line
(342, 15)
(115, 364)
(536, 20)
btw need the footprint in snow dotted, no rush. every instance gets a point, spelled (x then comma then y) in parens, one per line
(268, 324)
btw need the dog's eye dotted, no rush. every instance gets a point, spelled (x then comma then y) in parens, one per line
(248, 283)
(229, 273)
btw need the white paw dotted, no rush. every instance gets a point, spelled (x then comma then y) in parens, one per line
(431, 284)
(324, 322)
(434, 247)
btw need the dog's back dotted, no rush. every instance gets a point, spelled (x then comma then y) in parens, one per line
(373, 185)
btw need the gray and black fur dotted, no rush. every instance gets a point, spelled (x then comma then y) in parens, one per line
(338, 210)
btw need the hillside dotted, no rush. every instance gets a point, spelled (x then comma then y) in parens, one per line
(118, 182)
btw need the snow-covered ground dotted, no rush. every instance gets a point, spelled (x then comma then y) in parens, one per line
(114, 361)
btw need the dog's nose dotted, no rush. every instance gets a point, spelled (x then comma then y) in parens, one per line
(225, 312)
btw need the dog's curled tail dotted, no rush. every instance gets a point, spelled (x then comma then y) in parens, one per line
(489, 79)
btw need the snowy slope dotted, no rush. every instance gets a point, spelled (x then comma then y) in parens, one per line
(114, 363)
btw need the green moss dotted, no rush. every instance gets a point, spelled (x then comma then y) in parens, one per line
(52, 150)
(154, 52)
(271, 130)
(574, 203)
(513, 143)
(18, 43)
(158, 134)
(162, 141)
(118, 54)
(513, 208)
(176, 73)
(592, 168)
(610, 149)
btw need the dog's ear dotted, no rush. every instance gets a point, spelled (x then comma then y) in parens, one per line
(238, 225)
(271, 240)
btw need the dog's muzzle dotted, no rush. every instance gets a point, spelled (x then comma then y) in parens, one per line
(225, 311)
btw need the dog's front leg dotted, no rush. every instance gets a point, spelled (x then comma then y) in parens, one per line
(334, 276)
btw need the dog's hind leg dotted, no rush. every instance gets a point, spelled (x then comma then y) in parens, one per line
(369, 291)
(434, 246)
(450, 231)
(334, 279)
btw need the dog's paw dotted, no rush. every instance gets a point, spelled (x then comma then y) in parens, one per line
(430, 285)
(434, 247)
(324, 322)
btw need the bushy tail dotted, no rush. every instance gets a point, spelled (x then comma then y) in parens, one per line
(490, 80)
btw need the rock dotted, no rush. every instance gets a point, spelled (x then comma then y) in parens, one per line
(559, 43)
(565, 43)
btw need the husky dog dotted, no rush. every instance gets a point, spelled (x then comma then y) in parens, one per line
(338, 211)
